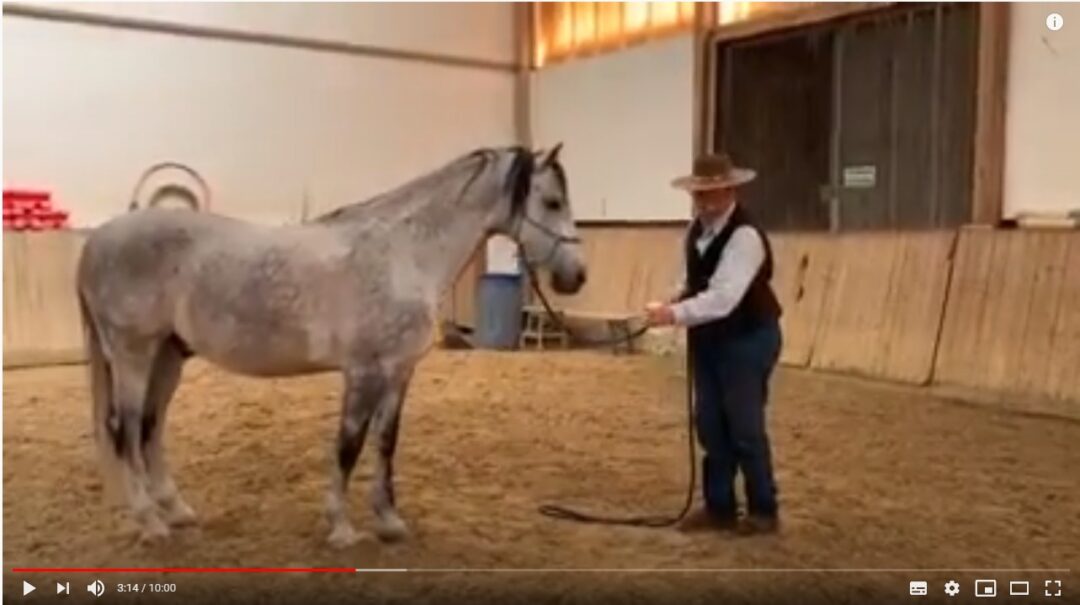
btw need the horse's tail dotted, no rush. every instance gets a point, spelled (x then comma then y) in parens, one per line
(101, 394)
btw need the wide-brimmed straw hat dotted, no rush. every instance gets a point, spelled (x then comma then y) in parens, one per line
(714, 171)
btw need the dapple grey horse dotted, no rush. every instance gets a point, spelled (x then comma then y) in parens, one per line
(355, 290)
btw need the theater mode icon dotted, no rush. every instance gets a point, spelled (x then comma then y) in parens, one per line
(1019, 588)
(917, 588)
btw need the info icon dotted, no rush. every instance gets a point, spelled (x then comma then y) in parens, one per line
(918, 588)
(1054, 22)
(986, 588)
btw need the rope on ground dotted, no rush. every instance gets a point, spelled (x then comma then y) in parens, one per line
(655, 521)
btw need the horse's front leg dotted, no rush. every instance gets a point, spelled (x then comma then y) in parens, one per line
(390, 526)
(365, 388)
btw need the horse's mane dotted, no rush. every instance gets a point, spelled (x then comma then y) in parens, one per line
(398, 199)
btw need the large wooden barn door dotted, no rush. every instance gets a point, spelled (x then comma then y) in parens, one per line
(862, 124)
(776, 94)
(905, 106)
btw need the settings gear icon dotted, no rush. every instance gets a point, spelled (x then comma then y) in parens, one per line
(952, 588)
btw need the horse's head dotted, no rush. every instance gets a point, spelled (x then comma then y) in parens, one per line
(541, 221)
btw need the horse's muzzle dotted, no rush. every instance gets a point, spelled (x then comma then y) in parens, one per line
(568, 282)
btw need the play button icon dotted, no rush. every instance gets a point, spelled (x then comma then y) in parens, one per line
(27, 588)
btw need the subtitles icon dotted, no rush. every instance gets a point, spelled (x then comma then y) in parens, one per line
(985, 588)
(917, 588)
(1019, 588)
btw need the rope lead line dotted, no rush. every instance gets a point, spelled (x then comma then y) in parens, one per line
(656, 521)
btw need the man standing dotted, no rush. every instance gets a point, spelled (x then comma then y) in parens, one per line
(732, 316)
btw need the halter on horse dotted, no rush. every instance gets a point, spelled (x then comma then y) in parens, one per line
(355, 290)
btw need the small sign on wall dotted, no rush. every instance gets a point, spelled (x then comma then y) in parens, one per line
(860, 177)
(502, 256)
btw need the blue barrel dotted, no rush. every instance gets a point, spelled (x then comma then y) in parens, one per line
(498, 309)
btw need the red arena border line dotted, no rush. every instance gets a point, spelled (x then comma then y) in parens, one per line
(185, 570)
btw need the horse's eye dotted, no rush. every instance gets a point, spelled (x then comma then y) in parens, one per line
(552, 204)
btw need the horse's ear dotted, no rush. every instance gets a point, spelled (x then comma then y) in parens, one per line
(551, 156)
(519, 179)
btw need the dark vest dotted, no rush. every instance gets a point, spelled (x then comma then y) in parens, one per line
(759, 305)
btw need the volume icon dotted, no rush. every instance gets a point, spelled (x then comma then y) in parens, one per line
(97, 588)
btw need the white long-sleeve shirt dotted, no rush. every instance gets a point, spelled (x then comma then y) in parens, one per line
(739, 263)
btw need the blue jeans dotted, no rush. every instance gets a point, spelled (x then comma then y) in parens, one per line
(731, 381)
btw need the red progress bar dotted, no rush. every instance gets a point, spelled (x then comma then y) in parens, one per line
(184, 570)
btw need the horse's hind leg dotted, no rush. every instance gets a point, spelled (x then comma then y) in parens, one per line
(164, 379)
(387, 423)
(364, 388)
(133, 362)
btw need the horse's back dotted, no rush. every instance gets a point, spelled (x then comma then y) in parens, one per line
(129, 264)
(258, 299)
(155, 223)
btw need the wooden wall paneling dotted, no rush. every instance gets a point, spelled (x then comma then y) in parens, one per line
(883, 306)
(802, 262)
(41, 313)
(915, 304)
(1043, 262)
(849, 333)
(1008, 302)
(1013, 321)
(1063, 372)
(960, 335)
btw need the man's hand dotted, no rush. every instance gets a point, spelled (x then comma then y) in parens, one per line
(659, 314)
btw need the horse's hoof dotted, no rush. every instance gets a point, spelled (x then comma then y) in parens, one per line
(153, 533)
(343, 536)
(180, 515)
(391, 529)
